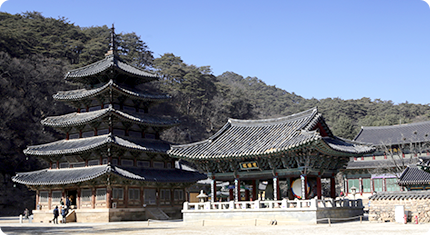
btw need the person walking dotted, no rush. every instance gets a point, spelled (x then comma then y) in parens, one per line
(64, 213)
(68, 202)
(56, 214)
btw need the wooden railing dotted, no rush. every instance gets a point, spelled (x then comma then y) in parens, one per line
(284, 204)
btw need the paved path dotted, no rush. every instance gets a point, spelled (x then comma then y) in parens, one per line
(180, 228)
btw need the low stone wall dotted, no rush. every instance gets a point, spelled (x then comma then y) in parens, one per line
(104, 215)
(416, 203)
(289, 216)
(95, 215)
(338, 214)
(249, 216)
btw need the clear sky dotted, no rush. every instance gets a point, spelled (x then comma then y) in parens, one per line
(316, 48)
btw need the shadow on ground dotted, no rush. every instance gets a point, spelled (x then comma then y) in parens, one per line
(12, 230)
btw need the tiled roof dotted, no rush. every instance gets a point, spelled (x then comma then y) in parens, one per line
(400, 195)
(412, 175)
(81, 174)
(246, 138)
(386, 163)
(81, 145)
(74, 119)
(104, 70)
(110, 86)
(397, 134)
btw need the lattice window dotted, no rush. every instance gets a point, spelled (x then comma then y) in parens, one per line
(118, 193)
(101, 194)
(64, 165)
(150, 196)
(392, 184)
(145, 164)
(43, 196)
(377, 185)
(86, 195)
(178, 195)
(353, 183)
(93, 162)
(79, 164)
(367, 186)
(133, 194)
(126, 162)
(56, 197)
(159, 165)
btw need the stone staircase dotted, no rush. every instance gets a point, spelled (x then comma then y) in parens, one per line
(157, 214)
(71, 216)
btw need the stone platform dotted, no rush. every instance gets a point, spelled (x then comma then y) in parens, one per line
(295, 211)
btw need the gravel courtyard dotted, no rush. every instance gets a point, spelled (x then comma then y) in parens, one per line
(179, 228)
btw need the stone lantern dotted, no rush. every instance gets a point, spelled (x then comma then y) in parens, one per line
(202, 196)
(353, 191)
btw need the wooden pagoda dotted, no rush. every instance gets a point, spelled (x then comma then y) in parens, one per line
(112, 164)
(298, 149)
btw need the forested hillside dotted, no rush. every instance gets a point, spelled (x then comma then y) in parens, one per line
(36, 51)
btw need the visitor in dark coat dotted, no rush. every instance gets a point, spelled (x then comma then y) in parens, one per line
(56, 214)
(68, 203)
(64, 212)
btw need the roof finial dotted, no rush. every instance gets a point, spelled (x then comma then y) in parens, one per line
(112, 41)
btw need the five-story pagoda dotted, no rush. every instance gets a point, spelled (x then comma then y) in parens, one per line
(112, 164)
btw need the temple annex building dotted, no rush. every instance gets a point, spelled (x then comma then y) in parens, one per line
(112, 164)
(297, 150)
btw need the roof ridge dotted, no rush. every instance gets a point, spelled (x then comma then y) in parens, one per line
(271, 121)
(396, 125)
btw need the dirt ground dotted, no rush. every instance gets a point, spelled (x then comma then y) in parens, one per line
(11, 226)
(179, 228)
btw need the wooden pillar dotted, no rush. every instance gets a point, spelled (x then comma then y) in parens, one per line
(49, 199)
(237, 189)
(142, 196)
(213, 190)
(78, 199)
(360, 186)
(290, 190)
(254, 190)
(157, 198)
(109, 197)
(37, 198)
(93, 198)
(346, 187)
(332, 186)
(275, 188)
(172, 196)
(319, 193)
(126, 196)
(187, 194)
(246, 194)
(230, 194)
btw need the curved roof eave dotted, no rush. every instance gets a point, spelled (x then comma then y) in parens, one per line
(109, 62)
(73, 119)
(80, 94)
(82, 145)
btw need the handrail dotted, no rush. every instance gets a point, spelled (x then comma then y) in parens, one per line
(284, 204)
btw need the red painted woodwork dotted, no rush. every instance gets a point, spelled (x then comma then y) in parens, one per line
(319, 193)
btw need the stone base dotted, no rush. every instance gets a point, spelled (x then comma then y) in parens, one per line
(266, 216)
(95, 215)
